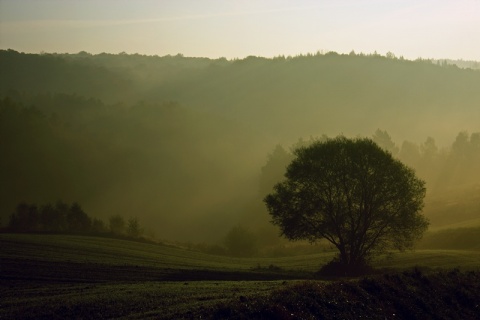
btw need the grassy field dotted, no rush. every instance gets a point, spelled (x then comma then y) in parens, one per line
(140, 300)
(45, 276)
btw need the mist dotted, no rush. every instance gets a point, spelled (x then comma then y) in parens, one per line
(190, 146)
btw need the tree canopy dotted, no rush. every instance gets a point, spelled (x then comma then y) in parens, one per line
(352, 193)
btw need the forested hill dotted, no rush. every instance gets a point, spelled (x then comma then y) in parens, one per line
(179, 142)
(339, 93)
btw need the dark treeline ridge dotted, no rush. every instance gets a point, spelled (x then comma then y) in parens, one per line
(180, 142)
(62, 218)
(303, 93)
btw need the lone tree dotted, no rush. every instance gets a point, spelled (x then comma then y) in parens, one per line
(133, 228)
(352, 193)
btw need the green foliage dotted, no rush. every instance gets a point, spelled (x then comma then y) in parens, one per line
(444, 169)
(384, 141)
(352, 193)
(69, 219)
(98, 226)
(78, 220)
(133, 227)
(50, 218)
(53, 73)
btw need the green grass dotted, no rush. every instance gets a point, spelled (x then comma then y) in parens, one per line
(95, 250)
(453, 239)
(403, 295)
(93, 277)
(165, 300)
(114, 252)
(432, 259)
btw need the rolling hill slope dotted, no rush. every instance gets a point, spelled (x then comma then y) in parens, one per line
(45, 276)
(162, 261)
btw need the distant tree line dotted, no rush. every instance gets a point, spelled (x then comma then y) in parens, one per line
(445, 170)
(441, 168)
(68, 219)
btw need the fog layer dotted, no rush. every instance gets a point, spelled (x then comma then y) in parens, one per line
(180, 142)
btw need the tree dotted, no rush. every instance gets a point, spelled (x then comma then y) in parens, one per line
(133, 228)
(352, 193)
(410, 154)
(240, 242)
(461, 145)
(25, 218)
(383, 139)
(77, 219)
(429, 150)
(60, 220)
(98, 226)
(48, 218)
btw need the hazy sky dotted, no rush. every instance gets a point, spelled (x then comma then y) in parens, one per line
(221, 28)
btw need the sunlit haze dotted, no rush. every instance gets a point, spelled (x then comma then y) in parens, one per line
(239, 159)
(236, 29)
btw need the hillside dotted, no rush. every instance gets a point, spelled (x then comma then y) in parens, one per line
(180, 142)
(161, 261)
(285, 98)
(71, 276)
(393, 296)
(107, 253)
